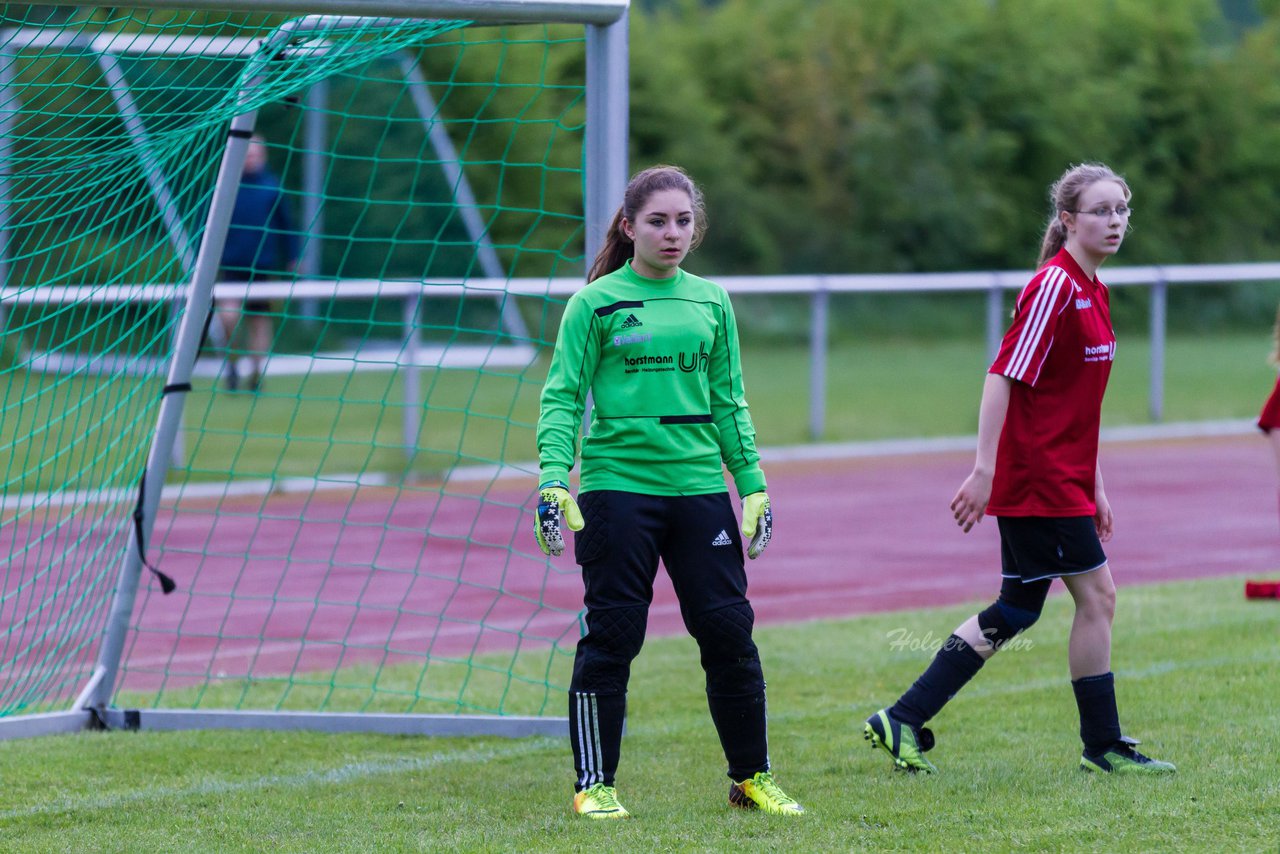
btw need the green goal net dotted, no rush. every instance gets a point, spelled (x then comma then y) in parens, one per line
(384, 217)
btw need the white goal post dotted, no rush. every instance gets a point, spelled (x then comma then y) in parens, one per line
(604, 167)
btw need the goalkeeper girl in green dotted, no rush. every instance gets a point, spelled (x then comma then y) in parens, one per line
(657, 349)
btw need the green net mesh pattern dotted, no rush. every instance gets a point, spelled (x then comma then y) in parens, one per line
(345, 514)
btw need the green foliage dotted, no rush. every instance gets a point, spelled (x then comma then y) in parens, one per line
(9, 356)
(883, 135)
(891, 135)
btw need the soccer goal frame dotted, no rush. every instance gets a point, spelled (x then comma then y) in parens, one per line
(605, 174)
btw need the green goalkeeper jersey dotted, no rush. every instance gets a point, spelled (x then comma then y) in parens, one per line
(661, 360)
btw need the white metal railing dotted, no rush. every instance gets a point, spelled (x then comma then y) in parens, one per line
(818, 288)
(994, 283)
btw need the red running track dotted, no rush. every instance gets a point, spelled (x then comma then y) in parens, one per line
(851, 536)
(876, 534)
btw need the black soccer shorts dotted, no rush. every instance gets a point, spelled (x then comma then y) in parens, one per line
(1033, 548)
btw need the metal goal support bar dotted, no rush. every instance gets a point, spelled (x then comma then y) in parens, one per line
(600, 12)
(508, 726)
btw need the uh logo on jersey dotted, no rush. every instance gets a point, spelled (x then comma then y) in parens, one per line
(691, 362)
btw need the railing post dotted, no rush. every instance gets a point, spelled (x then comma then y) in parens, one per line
(412, 384)
(820, 307)
(315, 124)
(1159, 309)
(995, 317)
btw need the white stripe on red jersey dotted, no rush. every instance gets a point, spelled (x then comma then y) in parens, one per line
(1045, 305)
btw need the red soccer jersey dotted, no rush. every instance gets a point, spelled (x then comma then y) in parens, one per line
(1058, 350)
(1270, 417)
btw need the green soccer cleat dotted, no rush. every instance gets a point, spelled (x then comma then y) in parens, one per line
(599, 801)
(905, 743)
(1121, 758)
(760, 792)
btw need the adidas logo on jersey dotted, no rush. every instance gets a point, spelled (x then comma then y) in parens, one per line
(722, 539)
(631, 322)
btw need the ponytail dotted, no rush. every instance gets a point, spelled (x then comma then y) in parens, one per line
(1055, 237)
(614, 253)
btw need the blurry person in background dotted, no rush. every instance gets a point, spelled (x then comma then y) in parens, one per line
(261, 244)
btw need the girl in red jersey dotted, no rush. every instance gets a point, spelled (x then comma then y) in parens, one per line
(1037, 471)
(1269, 419)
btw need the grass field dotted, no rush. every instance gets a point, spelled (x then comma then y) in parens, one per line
(901, 388)
(328, 424)
(1195, 664)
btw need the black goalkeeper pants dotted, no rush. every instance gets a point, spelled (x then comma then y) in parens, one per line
(696, 537)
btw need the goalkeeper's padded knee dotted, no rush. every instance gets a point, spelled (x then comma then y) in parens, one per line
(603, 661)
(729, 655)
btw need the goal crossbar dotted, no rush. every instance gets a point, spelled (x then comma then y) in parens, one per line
(600, 12)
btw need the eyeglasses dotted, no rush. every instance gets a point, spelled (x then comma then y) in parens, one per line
(1122, 211)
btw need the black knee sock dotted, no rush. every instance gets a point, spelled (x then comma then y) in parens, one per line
(954, 665)
(1099, 719)
(595, 731)
(741, 724)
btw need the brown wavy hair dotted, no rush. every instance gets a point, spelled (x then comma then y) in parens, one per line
(617, 246)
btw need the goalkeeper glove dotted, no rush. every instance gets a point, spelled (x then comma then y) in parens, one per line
(554, 503)
(757, 523)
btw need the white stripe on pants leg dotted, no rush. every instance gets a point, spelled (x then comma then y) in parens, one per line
(589, 741)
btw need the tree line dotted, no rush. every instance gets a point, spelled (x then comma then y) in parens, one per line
(921, 135)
